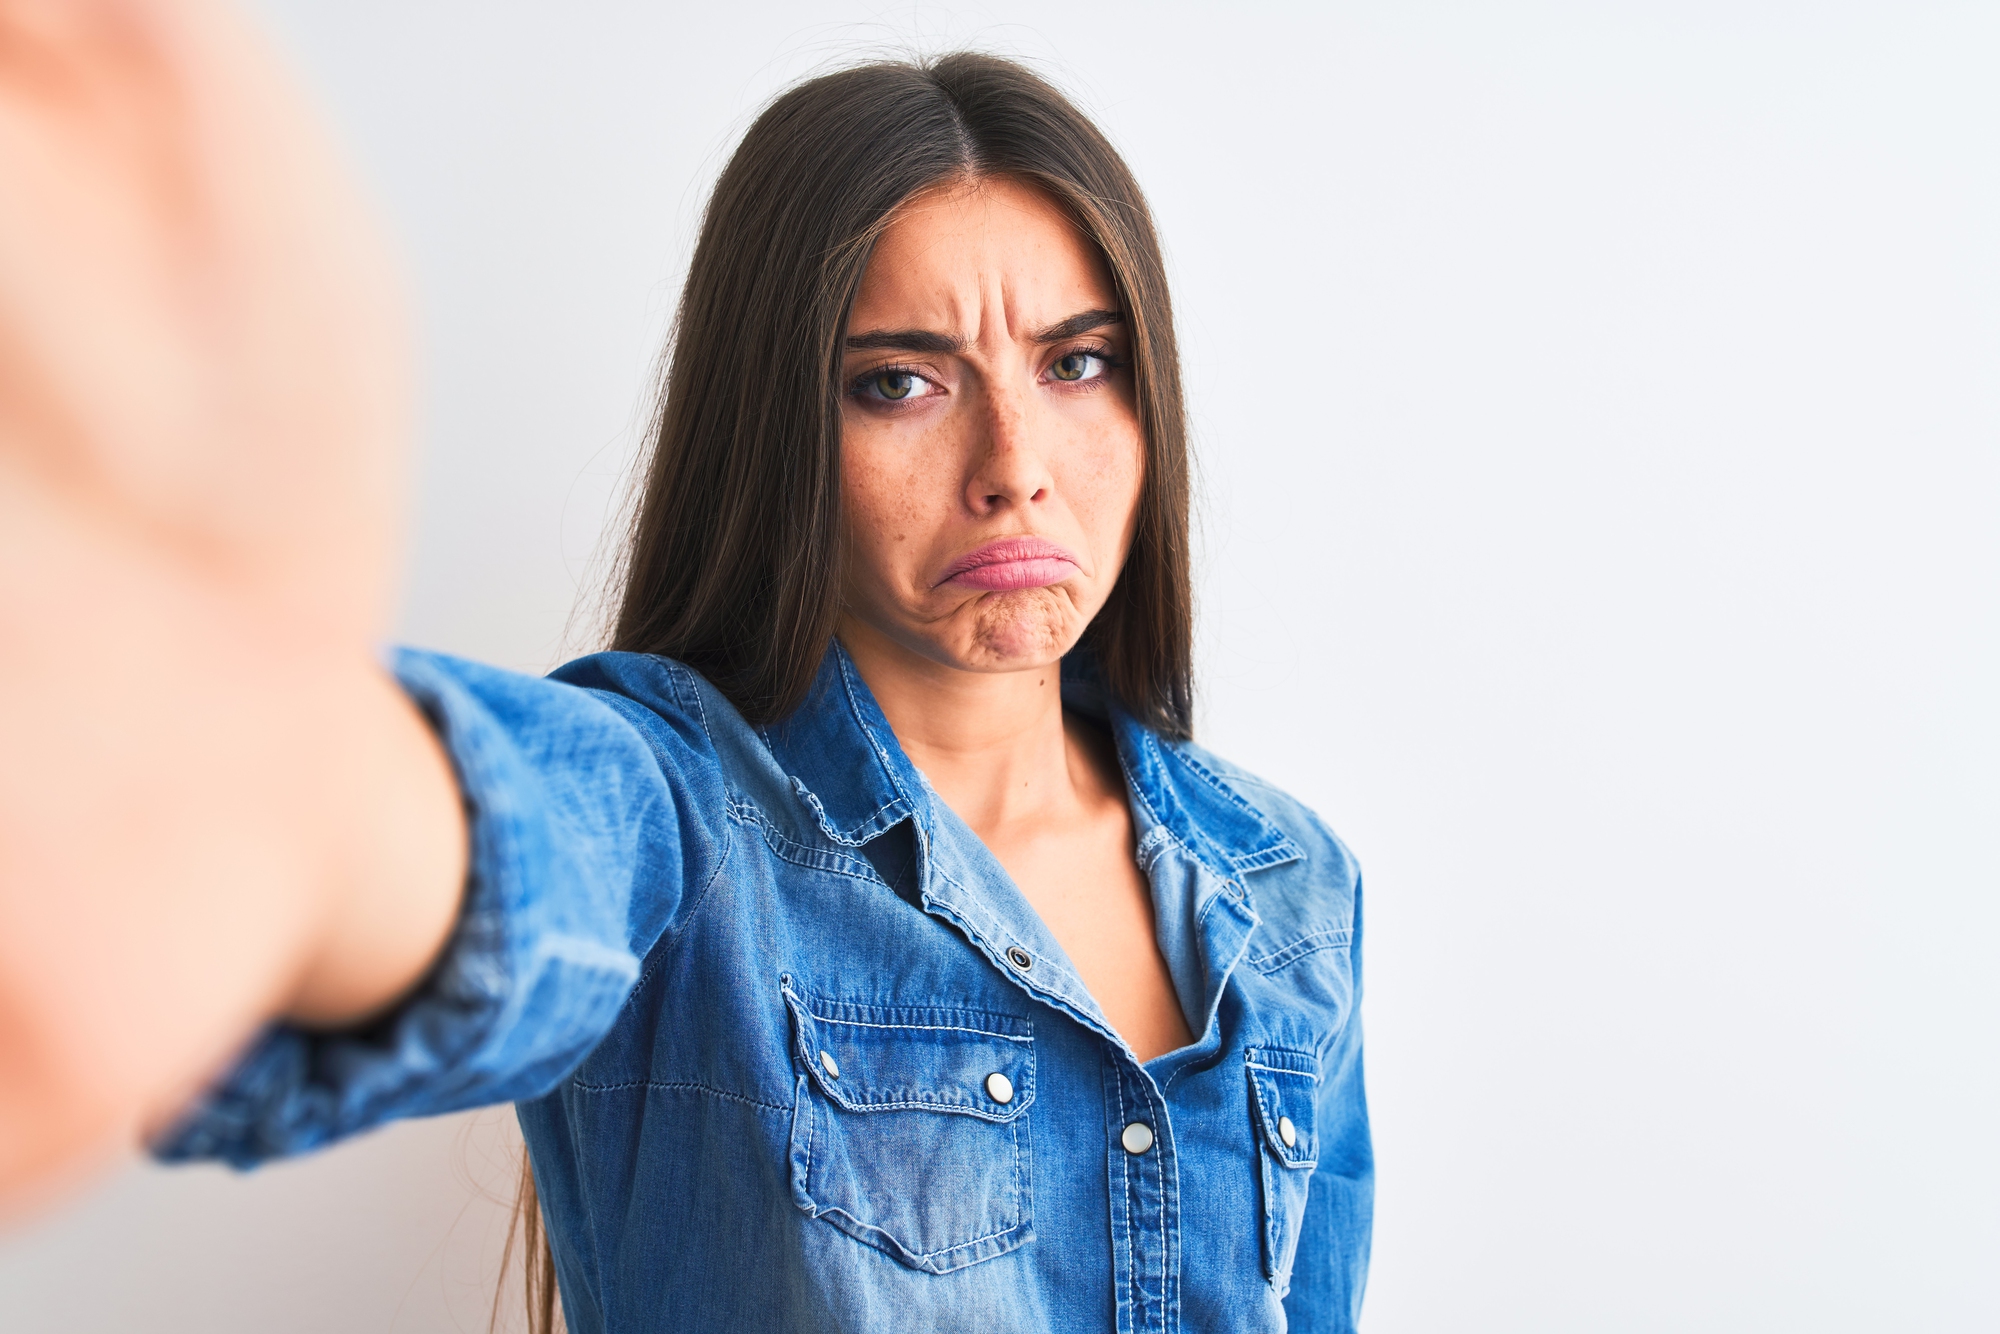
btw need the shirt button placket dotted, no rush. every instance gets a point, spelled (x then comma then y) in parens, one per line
(1144, 1200)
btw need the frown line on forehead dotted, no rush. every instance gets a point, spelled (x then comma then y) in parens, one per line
(930, 340)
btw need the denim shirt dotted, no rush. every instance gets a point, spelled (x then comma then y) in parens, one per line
(792, 1052)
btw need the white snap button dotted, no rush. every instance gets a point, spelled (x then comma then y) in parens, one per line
(1287, 1131)
(1138, 1137)
(828, 1064)
(999, 1087)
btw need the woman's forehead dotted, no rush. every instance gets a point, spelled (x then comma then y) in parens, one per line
(980, 258)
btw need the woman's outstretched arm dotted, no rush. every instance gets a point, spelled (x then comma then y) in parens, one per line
(215, 806)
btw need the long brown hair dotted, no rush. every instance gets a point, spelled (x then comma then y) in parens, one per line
(735, 555)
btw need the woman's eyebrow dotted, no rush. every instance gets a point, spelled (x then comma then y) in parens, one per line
(905, 340)
(1080, 323)
(928, 340)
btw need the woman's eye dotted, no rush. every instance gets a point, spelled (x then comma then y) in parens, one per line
(1074, 366)
(894, 386)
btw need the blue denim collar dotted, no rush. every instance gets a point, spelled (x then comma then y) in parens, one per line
(848, 766)
(843, 759)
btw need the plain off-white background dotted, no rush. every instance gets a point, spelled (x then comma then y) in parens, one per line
(1598, 410)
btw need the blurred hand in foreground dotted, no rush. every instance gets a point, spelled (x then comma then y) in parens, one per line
(214, 807)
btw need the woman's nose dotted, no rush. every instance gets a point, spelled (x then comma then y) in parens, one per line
(1009, 466)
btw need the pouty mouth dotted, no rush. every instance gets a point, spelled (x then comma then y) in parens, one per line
(1010, 563)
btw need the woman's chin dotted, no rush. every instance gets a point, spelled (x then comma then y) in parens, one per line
(995, 632)
(1014, 631)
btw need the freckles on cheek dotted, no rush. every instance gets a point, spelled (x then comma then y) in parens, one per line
(901, 489)
(889, 499)
(880, 521)
(1106, 491)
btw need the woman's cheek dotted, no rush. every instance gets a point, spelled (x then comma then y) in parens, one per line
(884, 516)
(1107, 489)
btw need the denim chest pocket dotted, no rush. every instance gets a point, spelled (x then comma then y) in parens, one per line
(1284, 1089)
(910, 1130)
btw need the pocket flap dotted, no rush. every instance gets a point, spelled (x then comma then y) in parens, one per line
(879, 1058)
(1284, 1090)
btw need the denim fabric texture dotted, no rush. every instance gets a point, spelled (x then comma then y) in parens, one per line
(792, 1052)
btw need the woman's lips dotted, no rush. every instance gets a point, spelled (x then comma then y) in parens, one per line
(1010, 563)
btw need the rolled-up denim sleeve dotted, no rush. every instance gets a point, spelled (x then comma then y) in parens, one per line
(588, 814)
(1331, 1268)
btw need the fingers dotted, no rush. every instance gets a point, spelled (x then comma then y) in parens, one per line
(199, 331)
(90, 116)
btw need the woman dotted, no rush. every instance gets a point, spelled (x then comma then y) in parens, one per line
(863, 940)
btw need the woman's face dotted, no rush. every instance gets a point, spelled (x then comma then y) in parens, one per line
(991, 455)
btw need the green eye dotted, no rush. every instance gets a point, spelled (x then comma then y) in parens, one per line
(895, 384)
(1072, 366)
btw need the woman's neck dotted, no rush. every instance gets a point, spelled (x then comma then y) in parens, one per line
(994, 745)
